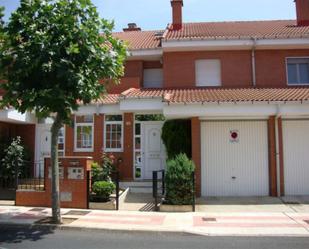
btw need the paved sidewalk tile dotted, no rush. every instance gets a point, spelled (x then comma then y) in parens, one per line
(204, 223)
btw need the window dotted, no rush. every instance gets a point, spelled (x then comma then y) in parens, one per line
(153, 78)
(208, 72)
(84, 133)
(113, 133)
(298, 71)
(61, 142)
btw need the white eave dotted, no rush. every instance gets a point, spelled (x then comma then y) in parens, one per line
(234, 44)
(145, 54)
(13, 116)
(240, 109)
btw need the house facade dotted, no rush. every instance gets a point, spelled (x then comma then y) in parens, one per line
(243, 86)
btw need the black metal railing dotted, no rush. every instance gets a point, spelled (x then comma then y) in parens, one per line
(31, 179)
(115, 179)
(158, 192)
(193, 191)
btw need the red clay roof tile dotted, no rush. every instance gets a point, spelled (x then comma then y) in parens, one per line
(212, 95)
(239, 30)
(108, 99)
(216, 30)
(140, 39)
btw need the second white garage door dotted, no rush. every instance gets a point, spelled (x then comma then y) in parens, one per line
(234, 158)
(296, 156)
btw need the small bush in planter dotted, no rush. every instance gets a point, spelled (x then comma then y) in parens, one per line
(103, 190)
(103, 171)
(179, 185)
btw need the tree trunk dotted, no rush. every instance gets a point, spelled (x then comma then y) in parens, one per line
(55, 170)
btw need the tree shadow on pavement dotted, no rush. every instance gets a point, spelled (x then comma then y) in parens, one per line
(18, 234)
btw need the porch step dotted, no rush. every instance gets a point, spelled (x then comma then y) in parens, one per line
(139, 186)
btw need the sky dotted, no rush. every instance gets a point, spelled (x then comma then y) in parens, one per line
(156, 14)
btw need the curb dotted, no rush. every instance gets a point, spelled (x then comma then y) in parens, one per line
(89, 229)
(139, 231)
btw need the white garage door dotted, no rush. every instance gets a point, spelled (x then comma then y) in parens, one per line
(296, 156)
(234, 158)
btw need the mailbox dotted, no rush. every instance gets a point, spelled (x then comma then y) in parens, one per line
(61, 173)
(75, 173)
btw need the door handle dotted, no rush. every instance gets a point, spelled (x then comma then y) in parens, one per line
(234, 177)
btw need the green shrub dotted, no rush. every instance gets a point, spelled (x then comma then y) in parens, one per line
(103, 189)
(96, 172)
(103, 172)
(179, 185)
(15, 156)
(176, 136)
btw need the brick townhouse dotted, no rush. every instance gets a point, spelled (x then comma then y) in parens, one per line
(243, 85)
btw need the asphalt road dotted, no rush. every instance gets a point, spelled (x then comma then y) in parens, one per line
(66, 239)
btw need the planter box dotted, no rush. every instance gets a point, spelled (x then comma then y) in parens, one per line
(175, 208)
(110, 205)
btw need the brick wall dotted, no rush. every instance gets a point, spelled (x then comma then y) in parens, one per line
(196, 151)
(126, 164)
(77, 188)
(272, 156)
(271, 66)
(179, 68)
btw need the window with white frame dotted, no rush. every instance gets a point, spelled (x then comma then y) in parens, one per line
(61, 142)
(208, 72)
(84, 133)
(113, 133)
(298, 71)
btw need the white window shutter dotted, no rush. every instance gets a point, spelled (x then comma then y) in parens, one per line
(153, 78)
(208, 72)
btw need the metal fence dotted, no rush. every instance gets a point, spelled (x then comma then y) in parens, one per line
(32, 179)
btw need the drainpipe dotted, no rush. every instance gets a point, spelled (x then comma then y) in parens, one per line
(278, 115)
(253, 62)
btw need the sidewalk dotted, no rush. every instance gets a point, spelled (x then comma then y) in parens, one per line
(203, 223)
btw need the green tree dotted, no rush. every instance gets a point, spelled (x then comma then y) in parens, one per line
(54, 54)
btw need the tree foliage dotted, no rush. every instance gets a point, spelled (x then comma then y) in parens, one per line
(55, 54)
(176, 135)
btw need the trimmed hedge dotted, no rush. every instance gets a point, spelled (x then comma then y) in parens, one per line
(103, 189)
(176, 136)
(179, 184)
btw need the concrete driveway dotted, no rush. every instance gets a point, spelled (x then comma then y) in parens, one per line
(253, 204)
(144, 202)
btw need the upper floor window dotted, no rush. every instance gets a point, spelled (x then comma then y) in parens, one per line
(298, 71)
(113, 133)
(61, 142)
(208, 72)
(153, 78)
(84, 133)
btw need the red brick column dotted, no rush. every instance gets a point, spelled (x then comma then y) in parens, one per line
(126, 168)
(98, 137)
(196, 151)
(281, 156)
(272, 156)
(69, 139)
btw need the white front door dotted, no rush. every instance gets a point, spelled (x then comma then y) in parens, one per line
(43, 145)
(153, 148)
